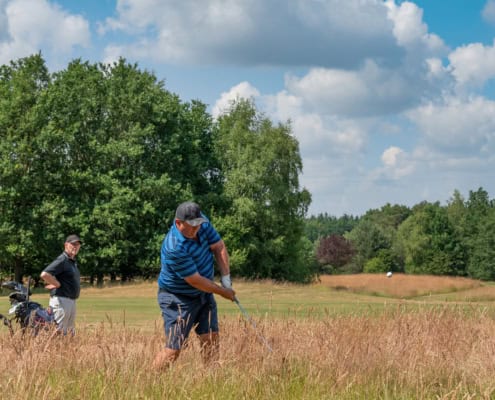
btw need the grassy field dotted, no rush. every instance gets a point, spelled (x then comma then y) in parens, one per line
(345, 337)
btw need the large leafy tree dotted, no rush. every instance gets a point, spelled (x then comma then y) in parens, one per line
(261, 164)
(102, 150)
(22, 84)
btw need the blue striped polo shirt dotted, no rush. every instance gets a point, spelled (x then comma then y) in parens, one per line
(182, 257)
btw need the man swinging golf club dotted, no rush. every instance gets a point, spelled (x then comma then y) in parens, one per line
(186, 285)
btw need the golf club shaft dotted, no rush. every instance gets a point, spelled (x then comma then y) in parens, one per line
(248, 318)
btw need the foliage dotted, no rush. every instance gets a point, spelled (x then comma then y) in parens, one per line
(367, 239)
(21, 86)
(104, 151)
(333, 252)
(323, 225)
(482, 249)
(383, 261)
(429, 242)
(261, 164)
(376, 232)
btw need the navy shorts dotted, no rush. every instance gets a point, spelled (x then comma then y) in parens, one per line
(181, 313)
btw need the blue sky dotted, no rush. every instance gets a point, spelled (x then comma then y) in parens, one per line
(391, 101)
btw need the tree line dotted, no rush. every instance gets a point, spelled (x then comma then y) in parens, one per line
(106, 151)
(455, 239)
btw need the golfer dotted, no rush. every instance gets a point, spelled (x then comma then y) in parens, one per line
(62, 278)
(186, 284)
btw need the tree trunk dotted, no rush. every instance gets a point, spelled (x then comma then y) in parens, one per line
(18, 270)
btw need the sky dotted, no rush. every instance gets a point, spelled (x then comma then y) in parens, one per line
(391, 101)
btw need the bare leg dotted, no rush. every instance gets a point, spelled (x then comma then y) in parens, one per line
(165, 358)
(210, 347)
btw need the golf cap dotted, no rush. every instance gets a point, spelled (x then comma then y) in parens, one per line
(73, 239)
(189, 212)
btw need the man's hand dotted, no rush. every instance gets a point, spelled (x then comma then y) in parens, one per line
(50, 280)
(226, 281)
(208, 286)
(229, 294)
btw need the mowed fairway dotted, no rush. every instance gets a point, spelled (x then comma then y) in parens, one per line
(345, 337)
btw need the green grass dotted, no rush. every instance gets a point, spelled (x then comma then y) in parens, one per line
(135, 305)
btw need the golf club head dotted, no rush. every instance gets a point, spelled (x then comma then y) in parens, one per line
(17, 297)
(16, 286)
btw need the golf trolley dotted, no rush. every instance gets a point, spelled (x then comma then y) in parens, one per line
(27, 314)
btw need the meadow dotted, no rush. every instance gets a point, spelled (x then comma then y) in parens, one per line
(344, 337)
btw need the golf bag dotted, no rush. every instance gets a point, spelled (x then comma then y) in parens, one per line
(27, 314)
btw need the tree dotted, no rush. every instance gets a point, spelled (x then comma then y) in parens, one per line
(22, 84)
(104, 151)
(322, 225)
(482, 255)
(367, 238)
(429, 242)
(261, 164)
(374, 238)
(334, 252)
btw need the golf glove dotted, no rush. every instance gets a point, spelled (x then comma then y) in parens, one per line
(226, 282)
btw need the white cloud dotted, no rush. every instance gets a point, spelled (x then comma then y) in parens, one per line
(32, 25)
(411, 31)
(328, 136)
(397, 163)
(371, 90)
(473, 64)
(254, 32)
(488, 12)
(458, 126)
(389, 156)
(4, 33)
(242, 90)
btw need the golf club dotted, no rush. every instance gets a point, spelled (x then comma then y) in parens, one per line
(248, 318)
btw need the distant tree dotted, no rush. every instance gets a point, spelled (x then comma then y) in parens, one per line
(482, 254)
(322, 225)
(457, 211)
(429, 242)
(333, 252)
(367, 239)
(477, 207)
(384, 260)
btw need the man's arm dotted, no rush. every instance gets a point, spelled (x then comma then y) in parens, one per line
(51, 281)
(221, 254)
(205, 285)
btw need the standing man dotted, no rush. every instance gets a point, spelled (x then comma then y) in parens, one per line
(62, 278)
(186, 284)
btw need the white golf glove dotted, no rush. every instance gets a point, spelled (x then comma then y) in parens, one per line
(226, 282)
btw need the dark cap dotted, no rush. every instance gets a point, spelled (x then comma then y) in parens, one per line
(190, 212)
(73, 239)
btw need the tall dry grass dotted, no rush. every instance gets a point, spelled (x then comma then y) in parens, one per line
(434, 353)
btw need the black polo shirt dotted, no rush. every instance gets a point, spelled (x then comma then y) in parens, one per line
(65, 270)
